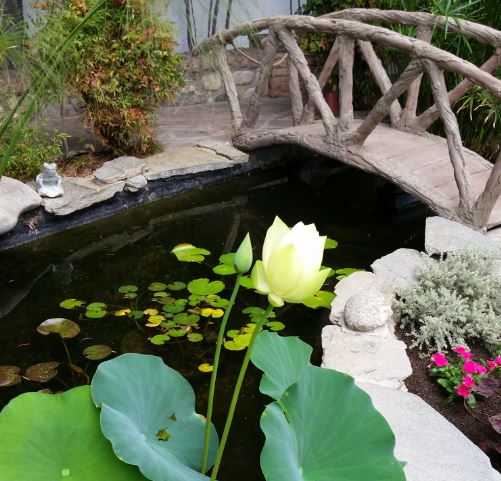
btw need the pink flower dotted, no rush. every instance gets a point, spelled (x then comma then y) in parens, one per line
(492, 365)
(468, 381)
(439, 359)
(463, 391)
(498, 360)
(463, 352)
(471, 367)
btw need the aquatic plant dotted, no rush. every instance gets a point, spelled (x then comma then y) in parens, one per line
(319, 425)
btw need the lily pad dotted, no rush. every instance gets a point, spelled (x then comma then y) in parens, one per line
(95, 314)
(159, 339)
(64, 327)
(202, 287)
(127, 289)
(320, 299)
(122, 312)
(42, 372)
(97, 352)
(178, 306)
(246, 281)
(157, 286)
(224, 270)
(342, 273)
(210, 312)
(96, 306)
(195, 337)
(227, 259)
(216, 301)
(136, 314)
(160, 294)
(71, 303)
(48, 437)
(205, 367)
(233, 346)
(275, 325)
(189, 253)
(330, 244)
(9, 376)
(131, 295)
(139, 397)
(186, 319)
(176, 332)
(176, 286)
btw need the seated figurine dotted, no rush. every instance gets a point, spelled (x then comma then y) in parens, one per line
(49, 182)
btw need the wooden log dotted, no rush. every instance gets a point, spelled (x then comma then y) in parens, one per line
(295, 93)
(454, 142)
(382, 107)
(311, 82)
(237, 119)
(408, 117)
(426, 119)
(489, 196)
(346, 58)
(380, 75)
(270, 52)
(330, 63)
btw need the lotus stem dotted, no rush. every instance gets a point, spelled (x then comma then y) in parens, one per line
(213, 377)
(236, 392)
(69, 361)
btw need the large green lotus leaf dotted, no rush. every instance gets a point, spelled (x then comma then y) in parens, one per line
(282, 359)
(52, 437)
(325, 428)
(148, 414)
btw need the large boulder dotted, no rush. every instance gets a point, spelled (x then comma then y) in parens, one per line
(15, 198)
(367, 310)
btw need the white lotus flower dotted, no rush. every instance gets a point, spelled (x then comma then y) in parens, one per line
(290, 269)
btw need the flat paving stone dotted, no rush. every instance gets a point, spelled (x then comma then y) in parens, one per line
(120, 168)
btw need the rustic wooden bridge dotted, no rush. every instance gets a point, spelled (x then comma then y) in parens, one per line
(454, 181)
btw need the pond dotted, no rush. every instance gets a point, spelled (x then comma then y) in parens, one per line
(368, 217)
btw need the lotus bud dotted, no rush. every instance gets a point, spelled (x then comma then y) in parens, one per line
(290, 270)
(243, 257)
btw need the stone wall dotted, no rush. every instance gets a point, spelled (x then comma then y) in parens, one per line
(204, 83)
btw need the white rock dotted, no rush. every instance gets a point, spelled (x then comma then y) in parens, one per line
(243, 77)
(443, 235)
(120, 168)
(133, 184)
(369, 359)
(400, 269)
(15, 198)
(357, 282)
(432, 447)
(225, 149)
(367, 310)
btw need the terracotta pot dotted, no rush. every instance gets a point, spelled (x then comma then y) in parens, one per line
(332, 99)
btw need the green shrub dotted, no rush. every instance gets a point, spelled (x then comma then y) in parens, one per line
(122, 63)
(457, 299)
(34, 147)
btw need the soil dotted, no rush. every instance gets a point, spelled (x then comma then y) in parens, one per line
(474, 426)
(83, 165)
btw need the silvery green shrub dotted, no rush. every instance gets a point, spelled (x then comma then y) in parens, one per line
(457, 298)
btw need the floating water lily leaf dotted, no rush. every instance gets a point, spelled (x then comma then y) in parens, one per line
(64, 327)
(136, 314)
(275, 325)
(332, 272)
(150, 312)
(189, 253)
(95, 314)
(176, 286)
(186, 319)
(71, 303)
(246, 281)
(282, 359)
(214, 313)
(48, 437)
(255, 313)
(224, 270)
(227, 259)
(157, 286)
(97, 352)
(160, 294)
(127, 289)
(176, 332)
(232, 333)
(216, 301)
(195, 337)
(195, 300)
(177, 307)
(130, 295)
(156, 320)
(342, 273)
(159, 339)
(9, 376)
(233, 346)
(205, 367)
(202, 287)
(122, 312)
(139, 396)
(330, 244)
(42, 372)
(96, 306)
(323, 427)
(320, 299)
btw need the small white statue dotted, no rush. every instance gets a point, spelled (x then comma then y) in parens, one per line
(49, 181)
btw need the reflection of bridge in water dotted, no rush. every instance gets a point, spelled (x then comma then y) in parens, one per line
(455, 182)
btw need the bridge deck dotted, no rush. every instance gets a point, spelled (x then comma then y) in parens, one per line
(420, 165)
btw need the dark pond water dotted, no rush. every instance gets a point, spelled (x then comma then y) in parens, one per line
(367, 216)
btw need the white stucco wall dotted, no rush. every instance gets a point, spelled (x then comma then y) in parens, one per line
(241, 11)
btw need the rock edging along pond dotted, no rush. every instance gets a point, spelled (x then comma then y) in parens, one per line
(124, 183)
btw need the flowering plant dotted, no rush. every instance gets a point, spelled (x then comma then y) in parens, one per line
(461, 376)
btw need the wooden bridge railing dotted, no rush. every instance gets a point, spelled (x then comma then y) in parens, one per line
(352, 29)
